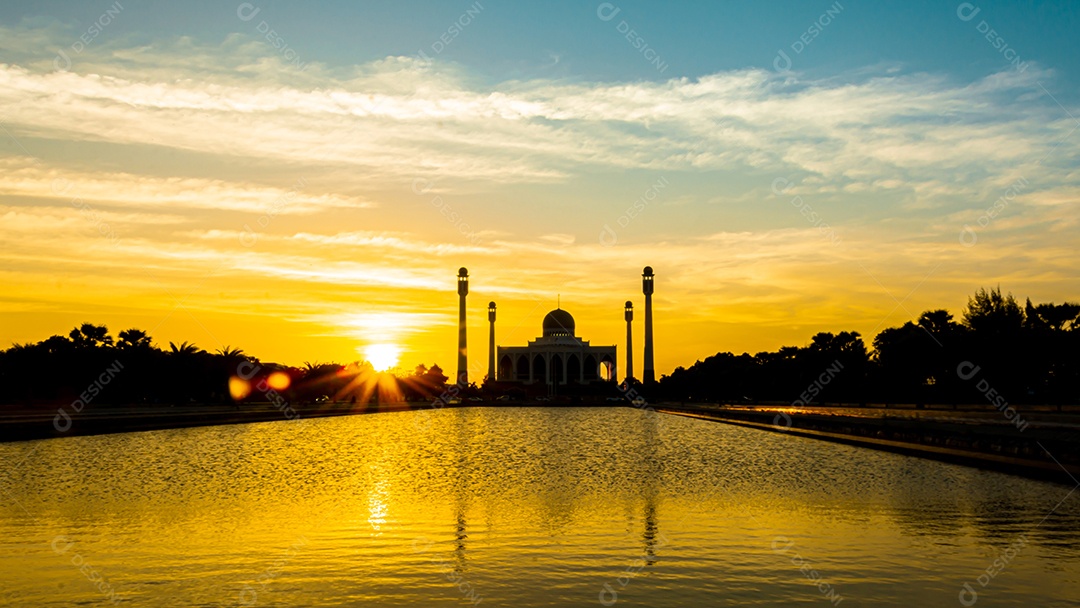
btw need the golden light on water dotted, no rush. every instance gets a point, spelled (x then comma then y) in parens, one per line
(382, 356)
(432, 509)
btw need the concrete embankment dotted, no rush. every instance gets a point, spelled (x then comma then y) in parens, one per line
(1043, 449)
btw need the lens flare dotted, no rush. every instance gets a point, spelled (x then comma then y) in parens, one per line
(278, 381)
(239, 388)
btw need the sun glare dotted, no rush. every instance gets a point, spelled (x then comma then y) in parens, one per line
(382, 356)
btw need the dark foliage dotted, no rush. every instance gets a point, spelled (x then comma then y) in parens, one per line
(88, 365)
(1027, 354)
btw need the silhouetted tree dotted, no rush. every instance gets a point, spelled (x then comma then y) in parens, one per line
(231, 353)
(998, 344)
(185, 349)
(56, 345)
(1028, 354)
(990, 313)
(1057, 317)
(89, 335)
(133, 338)
(1052, 342)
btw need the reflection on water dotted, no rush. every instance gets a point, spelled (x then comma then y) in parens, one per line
(518, 507)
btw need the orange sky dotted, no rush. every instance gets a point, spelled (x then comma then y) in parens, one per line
(205, 192)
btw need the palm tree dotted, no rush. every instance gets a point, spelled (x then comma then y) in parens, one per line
(231, 353)
(133, 338)
(89, 335)
(185, 348)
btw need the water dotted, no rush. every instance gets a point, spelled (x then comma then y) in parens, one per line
(517, 507)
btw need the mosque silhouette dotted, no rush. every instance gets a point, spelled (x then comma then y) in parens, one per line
(558, 357)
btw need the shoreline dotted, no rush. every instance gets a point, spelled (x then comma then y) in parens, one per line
(32, 425)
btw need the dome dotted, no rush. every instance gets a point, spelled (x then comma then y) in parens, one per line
(558, 323)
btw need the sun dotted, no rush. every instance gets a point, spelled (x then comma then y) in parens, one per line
(382, 356)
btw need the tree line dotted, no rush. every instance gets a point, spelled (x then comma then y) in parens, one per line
(89, 364)
(998, 349)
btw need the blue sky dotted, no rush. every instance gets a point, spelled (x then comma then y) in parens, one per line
(520, 40)
(177, 171)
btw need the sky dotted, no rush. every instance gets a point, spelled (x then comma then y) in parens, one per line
(304, 180)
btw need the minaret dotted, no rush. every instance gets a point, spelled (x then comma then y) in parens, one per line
(491, 342)
(629, 340)
(462, 352)
(648, 374)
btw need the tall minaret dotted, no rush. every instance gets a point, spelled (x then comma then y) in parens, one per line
(629, 340)
(648, 375)
(462, 351)
(491, 342)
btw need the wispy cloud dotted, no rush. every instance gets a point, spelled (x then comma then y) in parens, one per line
(897, 163)
(28, 178)
(401, 117)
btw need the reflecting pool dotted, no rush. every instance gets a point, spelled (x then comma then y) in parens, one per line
(519, 507)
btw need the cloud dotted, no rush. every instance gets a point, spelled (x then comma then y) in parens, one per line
(895, 163)
(401, 117)
(23, 177)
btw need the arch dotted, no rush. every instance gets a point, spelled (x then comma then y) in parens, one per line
(573, 369)
(592, 368)
(607, 368)
(522, 369)
(506, 368)
(557, 375)
(539, 368)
